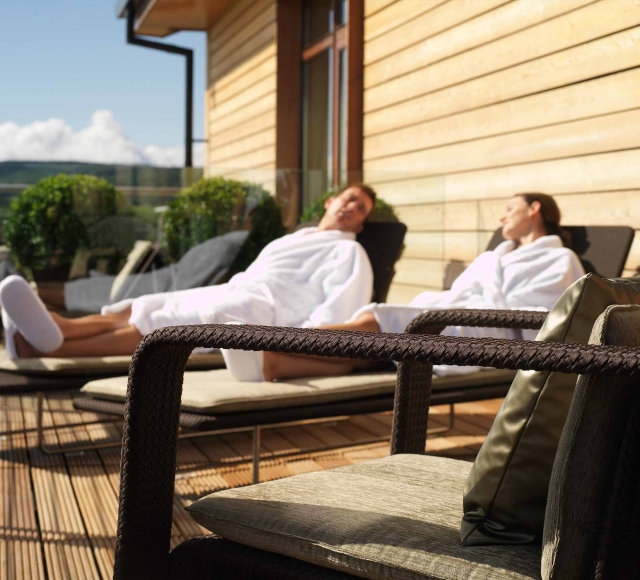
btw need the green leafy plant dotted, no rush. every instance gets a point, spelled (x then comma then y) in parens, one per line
(209, 208)
(214, 206)
(49, 221)
(266, 226)
(383, 212)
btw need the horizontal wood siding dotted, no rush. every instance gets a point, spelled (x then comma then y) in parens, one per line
(241, 93)
(467, 102)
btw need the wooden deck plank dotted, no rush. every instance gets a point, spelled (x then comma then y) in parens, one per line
(72, 533)
(67, 546)
(20, 546)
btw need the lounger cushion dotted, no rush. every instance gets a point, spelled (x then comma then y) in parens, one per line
(506, 494)
(91, 365)
(396, 517)
(214, 392)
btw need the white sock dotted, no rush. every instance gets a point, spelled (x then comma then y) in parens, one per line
(29, 314)
(9, 334)
(244, 365)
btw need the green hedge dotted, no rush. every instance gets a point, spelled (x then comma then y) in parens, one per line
(214, 206)
(49, 221)
(383, 212)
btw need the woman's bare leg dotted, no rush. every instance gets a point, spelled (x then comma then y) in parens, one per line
(278, 365)
(120, 341)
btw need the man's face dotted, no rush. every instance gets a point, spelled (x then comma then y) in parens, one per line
(348, 211)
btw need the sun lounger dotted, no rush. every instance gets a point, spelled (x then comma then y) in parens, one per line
(409, 524)
(382, 241)
(214, 402)
(603, 248)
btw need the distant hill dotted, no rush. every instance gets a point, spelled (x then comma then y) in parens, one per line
(28, 172)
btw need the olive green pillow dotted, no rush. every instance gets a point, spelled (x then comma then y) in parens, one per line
(506, 493)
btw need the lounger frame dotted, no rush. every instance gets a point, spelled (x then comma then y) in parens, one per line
(431, 323)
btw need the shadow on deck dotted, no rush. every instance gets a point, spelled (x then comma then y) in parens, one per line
(59, 513)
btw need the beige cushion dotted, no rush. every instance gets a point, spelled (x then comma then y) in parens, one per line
(92, 365)
(506, 494)
(218, 392)
(396, 517)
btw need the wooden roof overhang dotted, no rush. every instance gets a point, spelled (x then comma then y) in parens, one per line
(164, 17)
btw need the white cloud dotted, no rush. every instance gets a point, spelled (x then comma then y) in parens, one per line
(103, 141)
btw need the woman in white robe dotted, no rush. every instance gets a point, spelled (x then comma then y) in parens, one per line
(529, 271)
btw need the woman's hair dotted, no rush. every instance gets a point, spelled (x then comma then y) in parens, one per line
(551, 215)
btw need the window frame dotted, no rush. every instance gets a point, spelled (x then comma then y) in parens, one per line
(289, 95)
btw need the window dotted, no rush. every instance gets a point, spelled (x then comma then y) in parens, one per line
(324, 97)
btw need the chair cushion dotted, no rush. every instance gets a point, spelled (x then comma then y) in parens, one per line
(91, 365)
(217, 391)
(506, 493)
(397, 517)
(589, 450)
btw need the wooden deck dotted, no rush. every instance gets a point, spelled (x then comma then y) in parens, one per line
(59, 513)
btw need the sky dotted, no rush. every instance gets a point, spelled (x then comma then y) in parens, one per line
(72, 89)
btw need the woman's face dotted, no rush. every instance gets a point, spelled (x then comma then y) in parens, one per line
(517, 221)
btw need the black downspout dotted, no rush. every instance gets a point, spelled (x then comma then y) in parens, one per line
(188, 54)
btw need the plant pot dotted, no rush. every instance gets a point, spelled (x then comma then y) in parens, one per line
(57, 274)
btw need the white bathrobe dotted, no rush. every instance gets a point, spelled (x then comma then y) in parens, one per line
(530, 277)
(307, 278)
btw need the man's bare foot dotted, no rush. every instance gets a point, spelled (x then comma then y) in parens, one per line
(23, 348)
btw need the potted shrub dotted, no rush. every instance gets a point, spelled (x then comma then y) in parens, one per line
(49, 221)
(214, 206)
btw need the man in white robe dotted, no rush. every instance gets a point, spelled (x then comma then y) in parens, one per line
(316, 276)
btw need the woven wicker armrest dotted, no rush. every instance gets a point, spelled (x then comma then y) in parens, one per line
(155, 385)
(413, 390)
(520, 319)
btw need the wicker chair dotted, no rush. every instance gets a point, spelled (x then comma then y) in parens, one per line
(606, 545)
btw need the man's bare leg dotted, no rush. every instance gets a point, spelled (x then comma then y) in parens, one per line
(278, 365)
(120, 341)
(53, 297)
(91, 325)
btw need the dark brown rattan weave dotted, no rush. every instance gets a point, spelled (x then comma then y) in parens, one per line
(618, 555)
(19, 383)
(153, 401)
(430, 323)
(214, 557)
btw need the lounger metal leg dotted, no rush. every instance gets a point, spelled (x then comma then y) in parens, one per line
(256, 442)
(256, 454)
(451, 421)
(40, 428)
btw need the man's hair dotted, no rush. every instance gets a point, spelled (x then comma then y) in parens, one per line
(364, 188)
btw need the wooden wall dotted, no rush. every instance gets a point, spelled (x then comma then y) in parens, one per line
(467, 102)
(241, 93)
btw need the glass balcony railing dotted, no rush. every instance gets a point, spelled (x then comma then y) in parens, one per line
(107, 230)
